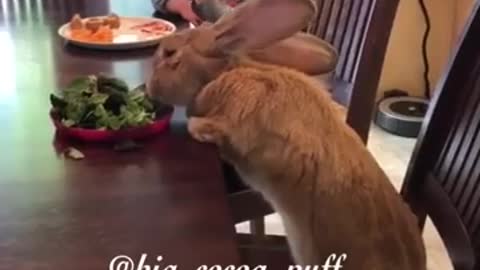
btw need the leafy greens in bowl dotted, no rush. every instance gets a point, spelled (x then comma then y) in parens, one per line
(105, 103)
(104, 109)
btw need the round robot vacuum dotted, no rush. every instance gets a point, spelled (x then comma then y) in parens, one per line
(402, 115)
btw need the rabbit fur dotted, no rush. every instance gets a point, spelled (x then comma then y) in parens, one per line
(284, 134)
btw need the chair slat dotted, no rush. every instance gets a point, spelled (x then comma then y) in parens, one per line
(324, 18)
(313, 27)
(342, 24)
(463, 139)
(349, 70)
(334, 20)
(441, 167)
(347, 42)
(471, 208)
(346, 25)
(472, 173)
(441, 171)
(468, 158)
(474, 223)
(450, 149)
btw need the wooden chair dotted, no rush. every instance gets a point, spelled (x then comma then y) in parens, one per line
(443, 179)
(359, 30)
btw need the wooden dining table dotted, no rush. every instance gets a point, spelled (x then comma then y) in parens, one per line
(163, 204)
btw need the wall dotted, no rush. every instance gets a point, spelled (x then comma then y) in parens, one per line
(463, 9)
(403, 67)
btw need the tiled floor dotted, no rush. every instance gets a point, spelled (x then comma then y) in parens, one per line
(393, 154)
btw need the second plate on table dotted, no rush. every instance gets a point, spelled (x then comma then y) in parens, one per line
(114, 32)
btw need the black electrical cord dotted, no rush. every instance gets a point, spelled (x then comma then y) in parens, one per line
(425, 49)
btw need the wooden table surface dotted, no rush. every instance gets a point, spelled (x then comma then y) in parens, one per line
(167, 199)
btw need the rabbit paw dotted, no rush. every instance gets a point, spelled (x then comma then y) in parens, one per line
(205, 130)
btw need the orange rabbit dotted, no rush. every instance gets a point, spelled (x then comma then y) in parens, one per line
(243, 80)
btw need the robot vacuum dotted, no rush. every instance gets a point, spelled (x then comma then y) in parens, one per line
(401, 115)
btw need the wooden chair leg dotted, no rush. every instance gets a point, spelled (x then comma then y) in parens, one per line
(271, 251)
(257, 227)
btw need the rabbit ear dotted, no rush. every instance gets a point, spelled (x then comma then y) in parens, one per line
(256, 24)
(303, 52)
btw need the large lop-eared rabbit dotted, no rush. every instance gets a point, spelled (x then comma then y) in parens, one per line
(244, 80)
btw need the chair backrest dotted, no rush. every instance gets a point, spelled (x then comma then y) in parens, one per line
(343, 24)
(443, 178)
(360, 30)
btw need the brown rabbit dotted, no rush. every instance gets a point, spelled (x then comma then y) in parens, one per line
(246, 90)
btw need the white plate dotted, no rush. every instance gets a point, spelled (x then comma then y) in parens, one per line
(124, 37)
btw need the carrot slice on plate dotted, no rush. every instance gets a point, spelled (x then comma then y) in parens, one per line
(81, 34)
(103, 34)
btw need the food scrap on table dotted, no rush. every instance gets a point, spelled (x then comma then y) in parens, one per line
(73, 153)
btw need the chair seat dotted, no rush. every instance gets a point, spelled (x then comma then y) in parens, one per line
(269, 250)
(246, 204)
(342, 91)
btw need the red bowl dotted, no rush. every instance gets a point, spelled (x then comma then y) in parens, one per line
(91, 135)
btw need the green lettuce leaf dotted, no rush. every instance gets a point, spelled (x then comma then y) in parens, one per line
(104, 103)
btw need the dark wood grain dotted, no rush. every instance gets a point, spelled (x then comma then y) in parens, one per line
(167, 199)
(442, 180)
